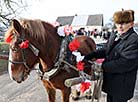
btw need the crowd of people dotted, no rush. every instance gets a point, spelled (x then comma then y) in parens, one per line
(103, 34)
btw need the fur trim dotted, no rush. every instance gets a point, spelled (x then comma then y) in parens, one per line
(124, 16)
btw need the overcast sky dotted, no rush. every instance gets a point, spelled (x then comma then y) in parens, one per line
(49, 10)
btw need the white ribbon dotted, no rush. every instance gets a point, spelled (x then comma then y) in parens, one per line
(60, 31)
(78, 56)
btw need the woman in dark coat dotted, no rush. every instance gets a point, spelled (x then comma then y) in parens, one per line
(121, 59)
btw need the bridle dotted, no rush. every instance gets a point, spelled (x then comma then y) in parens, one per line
(31, 47)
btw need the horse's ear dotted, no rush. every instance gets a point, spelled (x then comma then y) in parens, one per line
(16, 25)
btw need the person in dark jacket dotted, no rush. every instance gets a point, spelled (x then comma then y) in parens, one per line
(121, 59)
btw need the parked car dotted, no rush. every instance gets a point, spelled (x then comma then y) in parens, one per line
(100, 45)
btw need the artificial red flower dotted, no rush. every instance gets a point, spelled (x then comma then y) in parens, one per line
(84, 86)
(80, 65)
(74, 45)
(8, 39)
(24, 44)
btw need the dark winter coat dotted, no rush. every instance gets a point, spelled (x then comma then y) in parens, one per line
(120, 65)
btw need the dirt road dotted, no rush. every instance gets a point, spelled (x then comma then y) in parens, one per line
(32, 90)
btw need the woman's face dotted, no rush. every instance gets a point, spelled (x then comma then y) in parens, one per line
(124, 27)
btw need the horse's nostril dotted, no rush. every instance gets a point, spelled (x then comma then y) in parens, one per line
(13, 78)
(19, 81)
(14, 48)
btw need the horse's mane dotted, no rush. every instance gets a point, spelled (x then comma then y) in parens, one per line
(37, 29)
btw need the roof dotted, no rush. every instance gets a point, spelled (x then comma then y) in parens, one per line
(95, 20)
(65, 20)
(81, 20)
(136, 24)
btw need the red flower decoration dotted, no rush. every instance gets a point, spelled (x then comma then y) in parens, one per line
(74, 45)
(8, 39)
(80, 66)
(84, 86)
(24, 44)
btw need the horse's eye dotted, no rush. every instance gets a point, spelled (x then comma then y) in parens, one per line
(14, 49)
(19, 41)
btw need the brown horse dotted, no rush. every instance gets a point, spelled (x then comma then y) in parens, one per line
(43, 47)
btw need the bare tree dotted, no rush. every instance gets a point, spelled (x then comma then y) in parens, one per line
(10, 9)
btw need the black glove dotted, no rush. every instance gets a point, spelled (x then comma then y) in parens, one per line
(90, 56)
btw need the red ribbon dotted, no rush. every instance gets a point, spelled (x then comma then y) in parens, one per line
(74, 45)
(80, 65)
(24, 44)
(84, 86)
(8, 39)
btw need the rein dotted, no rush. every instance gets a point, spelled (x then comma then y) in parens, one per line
(33, 49)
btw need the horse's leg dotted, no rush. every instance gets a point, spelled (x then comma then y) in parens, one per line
(66, 94)
(50, 90)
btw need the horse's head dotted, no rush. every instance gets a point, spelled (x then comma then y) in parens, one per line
(21, 56)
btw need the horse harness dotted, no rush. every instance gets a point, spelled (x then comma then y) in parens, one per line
(46, 75)
(60, 62)
(33, 49)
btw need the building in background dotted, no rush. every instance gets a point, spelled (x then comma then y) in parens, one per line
(89, 22)
(136, 27)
